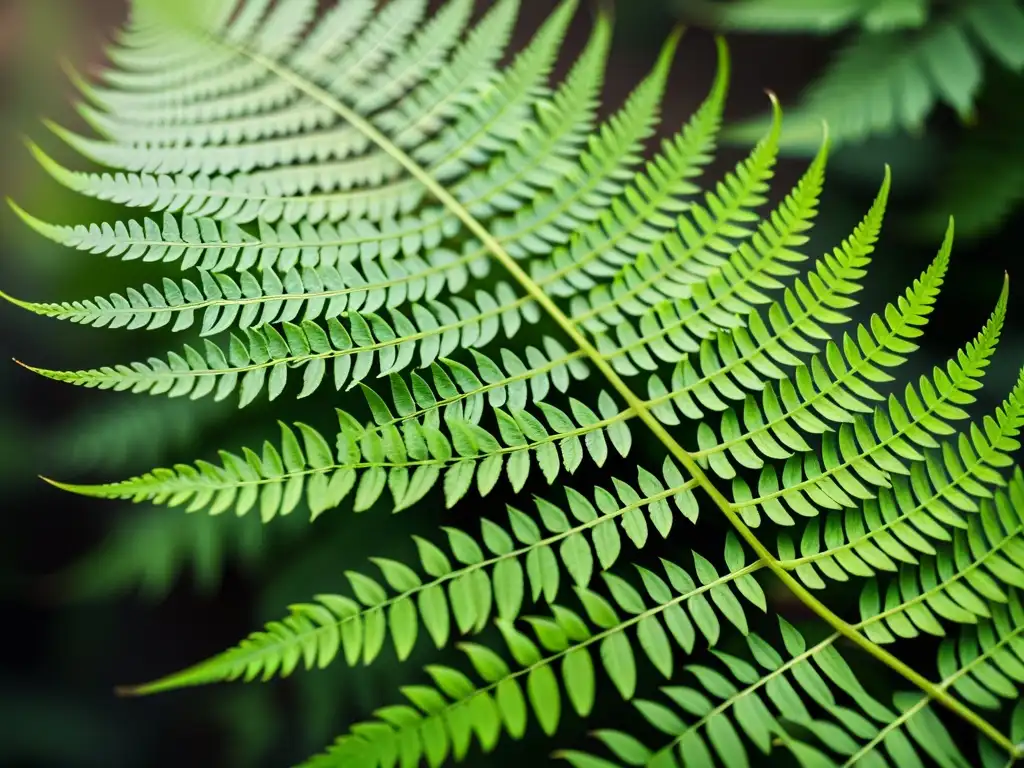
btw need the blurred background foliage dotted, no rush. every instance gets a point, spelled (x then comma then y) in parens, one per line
(96, 594)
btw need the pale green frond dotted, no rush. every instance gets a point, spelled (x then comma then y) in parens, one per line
(424, 110)
(265, 355)
(858, 457)
(457, 709)
(317, 288)
(154, 56)
(214, 246)
(407, 462)
(375, 167)
(239, 198)
(433, 101)
(502, 108)
(340, 26)
(224, 143)
(962, 582)
(517, 565)
(222, 302)
(638, 216)
(700, 244)
(744, 708)
(905, 521)
(382, 38)
(340, 162)
(814, 399)
(275, 35)
(544, 151)
(418, 61)
(613, 150)
(189, 72)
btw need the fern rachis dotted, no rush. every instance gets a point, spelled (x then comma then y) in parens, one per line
(381, 259)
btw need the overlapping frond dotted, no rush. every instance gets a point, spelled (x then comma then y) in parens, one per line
(983, 664)
(962, 582)
(264, 357)
(755, 348)
(406, 455)
(815, 396)
(860, 455)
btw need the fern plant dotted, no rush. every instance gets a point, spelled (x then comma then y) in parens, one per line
(901, 61)
(370, 201)
(905, 58)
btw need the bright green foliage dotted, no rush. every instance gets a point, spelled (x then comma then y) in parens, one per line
(963, 581)
(368, 200)
(907, 519)
(738, 695)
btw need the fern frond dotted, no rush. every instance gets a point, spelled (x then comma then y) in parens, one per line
(215, 246)
(962, 582)
(523, 563)
(669, 332)
(698, 246)
(340, 190)
(223, 302)
(774, 707)
(450, 714)
(857, 454)
(266, 355)
(408, 462)
(813, 398)
(983, 664)
(906, 520)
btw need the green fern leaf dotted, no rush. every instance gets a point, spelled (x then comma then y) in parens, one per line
(521, 565)
(331, 194)
(904, 521)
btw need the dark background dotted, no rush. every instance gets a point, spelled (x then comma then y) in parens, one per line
(98, 594)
